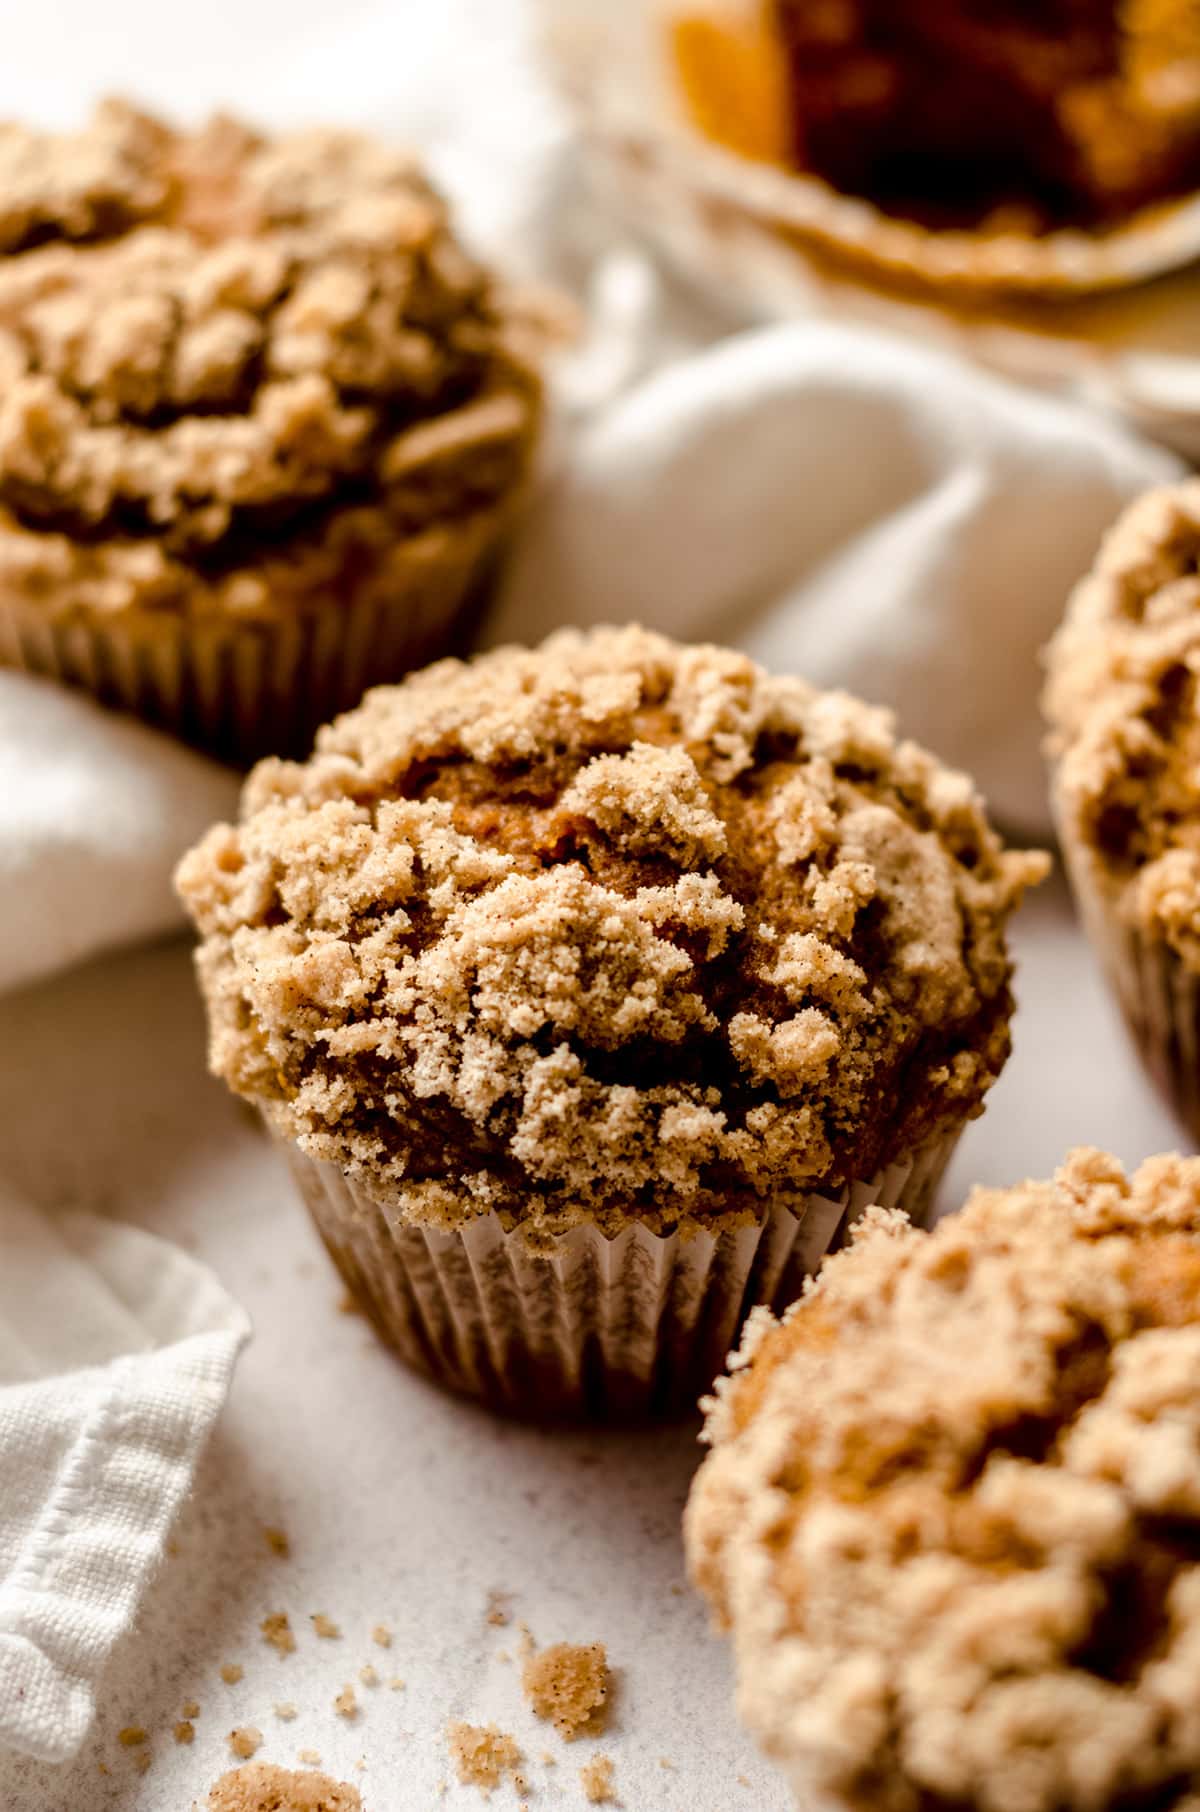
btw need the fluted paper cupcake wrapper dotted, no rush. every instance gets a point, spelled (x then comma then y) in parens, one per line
(240, 689)
(1158, 995)
(585, 1325)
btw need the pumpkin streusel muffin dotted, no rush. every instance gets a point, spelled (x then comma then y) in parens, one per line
(262, 421)
(1123, 703)
(952, 1512)
(593, 988)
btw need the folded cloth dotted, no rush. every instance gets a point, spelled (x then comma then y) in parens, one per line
(94, 811)
(116, 1352)
(867, 512)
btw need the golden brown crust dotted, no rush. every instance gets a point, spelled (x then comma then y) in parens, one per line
(218, 348)
(952, 1512)
(1122, 702)
(613, 927)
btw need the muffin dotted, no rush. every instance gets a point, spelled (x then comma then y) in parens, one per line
(593, 989)
(1006, 122)
(952, 1511)
(262, 422)
(1121, 699)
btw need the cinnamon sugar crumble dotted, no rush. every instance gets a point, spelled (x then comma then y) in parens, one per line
(231, 1672)
(277, 1630)
(382, 1635)
(482, 1754)
(190, 1708)
(663, 932)
(346, 1703)
(596, 1779)
(184, 1731)
(324, 1625)
(952, 1511)
(264, 1788)
(569, 1683)
(207, 335)
(245, 1740)
(1124, 709)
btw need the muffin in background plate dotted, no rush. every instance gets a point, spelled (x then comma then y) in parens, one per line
(262, 421)
(952, 1512)
(1060, 115)
(1124, 709)
(593, 989)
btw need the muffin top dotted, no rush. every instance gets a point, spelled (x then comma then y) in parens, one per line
(953, 1509)
(608, 927)
(231, 364)
(1121, 699)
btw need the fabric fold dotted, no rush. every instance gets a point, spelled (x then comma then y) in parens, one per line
(107, 1396)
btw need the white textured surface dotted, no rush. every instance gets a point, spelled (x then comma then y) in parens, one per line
(402, 1504)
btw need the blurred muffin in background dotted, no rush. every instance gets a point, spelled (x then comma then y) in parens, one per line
(1123, 702)
(951, 1516)
(262, 421)
(1064, 113)
(593, 990)
(1008, 121)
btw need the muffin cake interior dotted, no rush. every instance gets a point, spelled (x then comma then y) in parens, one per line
(611, 927)
(235, 372)
(952, 1512)
(956, 112)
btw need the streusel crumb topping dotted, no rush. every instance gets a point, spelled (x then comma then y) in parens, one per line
(260, 1787)
(1123, 704)
(216, 346)
(611, 926)
(952, 1514)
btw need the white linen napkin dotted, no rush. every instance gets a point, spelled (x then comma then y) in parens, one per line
(116, 1352)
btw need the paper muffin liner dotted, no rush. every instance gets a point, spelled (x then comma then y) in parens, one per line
(1158, 995)
(243, 688)
(583, 1325)
(614, 67)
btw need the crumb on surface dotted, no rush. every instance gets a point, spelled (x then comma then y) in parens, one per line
(346, 1703)
(131, 1736)
(368, 1676)
(324, 1626)
(184, 1731)
(569, 1683)
(142, 1760)
(498, 1612)
(276, 1539)
(262, 1787)
(190, 1708)
(286, 1711)
(596, 1778)
(232, 1672)
(482, 1754)
(382, 1635)
(309, 1757)
(277, 1630)
(245, 1740)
